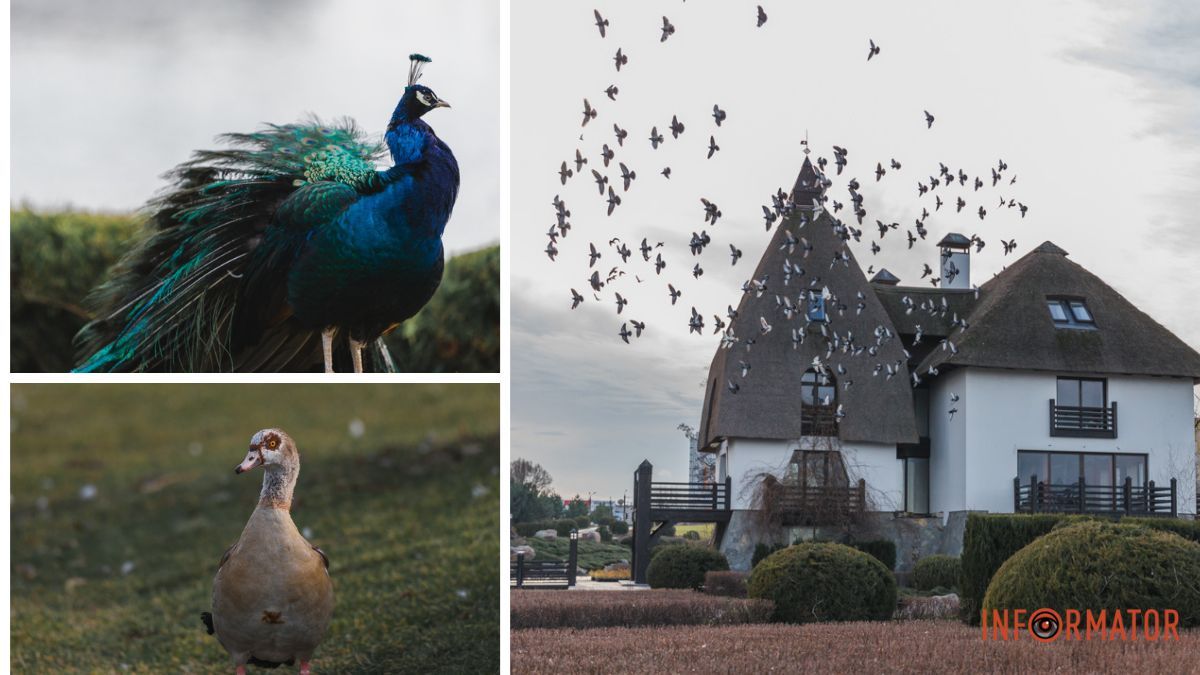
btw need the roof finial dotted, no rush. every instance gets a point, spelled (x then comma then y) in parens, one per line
(805, 142)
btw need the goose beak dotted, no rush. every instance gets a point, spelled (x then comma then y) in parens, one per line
(253, 459)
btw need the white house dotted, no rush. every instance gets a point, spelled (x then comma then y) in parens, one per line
(1041, 390)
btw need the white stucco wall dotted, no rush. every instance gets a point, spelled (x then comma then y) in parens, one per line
(874, 462)
(973, 459)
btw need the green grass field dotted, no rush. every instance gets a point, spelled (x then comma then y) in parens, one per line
(408, 514)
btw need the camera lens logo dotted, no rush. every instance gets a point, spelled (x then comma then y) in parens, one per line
(1044, 625)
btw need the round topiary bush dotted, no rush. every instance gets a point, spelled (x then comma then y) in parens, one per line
(1097, 565)
(620, 527)
(824, 582)
(936, 571)
(683, 566)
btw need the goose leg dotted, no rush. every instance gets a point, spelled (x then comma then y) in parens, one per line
(356, 348)
(304, 668)
(327, 346)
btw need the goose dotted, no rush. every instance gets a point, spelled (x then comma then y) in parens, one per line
(272, 596)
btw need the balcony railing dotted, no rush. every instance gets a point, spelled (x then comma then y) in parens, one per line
(1083, 421)
(666, 496)
(1112, 500)
(817, 505)
(818, 420)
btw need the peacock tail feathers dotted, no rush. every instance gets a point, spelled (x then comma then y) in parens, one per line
(170, 302)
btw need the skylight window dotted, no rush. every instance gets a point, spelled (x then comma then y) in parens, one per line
(816, 306)
(1070, 313)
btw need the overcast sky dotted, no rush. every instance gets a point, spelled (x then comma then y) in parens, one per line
(1094, 105)
(107, 96)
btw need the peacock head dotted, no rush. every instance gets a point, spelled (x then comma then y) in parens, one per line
(417, 99)
(272, 449)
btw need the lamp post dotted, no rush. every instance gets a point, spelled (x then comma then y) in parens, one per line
(573, 558)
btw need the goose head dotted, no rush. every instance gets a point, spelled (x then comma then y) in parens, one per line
(272, 449)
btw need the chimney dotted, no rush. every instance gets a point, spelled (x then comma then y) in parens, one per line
(955, 261)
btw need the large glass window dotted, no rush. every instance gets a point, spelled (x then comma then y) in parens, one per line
(1096, 468)
(818, 468)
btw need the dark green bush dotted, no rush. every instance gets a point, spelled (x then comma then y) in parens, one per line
(883, 550)
(620, 527)
(582, 521)
(824, 582)
(692, 535)
(726, 582)
(683, 566)
(564, 526)
(667, 531)
(605, 533)
(761, 551)
(1099, 565)
(936, 571)
(528, 529)
(990, 539)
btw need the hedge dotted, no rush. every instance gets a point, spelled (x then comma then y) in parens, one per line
(883, 550)
(936, 571)
(1096, 565)
(824, 582)
(991, 539)
(726, 582)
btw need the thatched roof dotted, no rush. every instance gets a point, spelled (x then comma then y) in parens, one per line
(767, 404)
(1010, 326)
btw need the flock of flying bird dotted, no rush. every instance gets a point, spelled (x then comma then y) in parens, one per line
(611, 186)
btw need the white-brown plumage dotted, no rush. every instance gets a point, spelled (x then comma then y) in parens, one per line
(272, 596)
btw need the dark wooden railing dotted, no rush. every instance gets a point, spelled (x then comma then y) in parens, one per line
(1083, 421)
(545, 574)
(818, 505)
(1125, 499)
(818, 420)
(666, 496)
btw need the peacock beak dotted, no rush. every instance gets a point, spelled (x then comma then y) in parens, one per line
(441, 104)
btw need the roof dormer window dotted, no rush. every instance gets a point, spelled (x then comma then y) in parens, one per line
(1070, 313)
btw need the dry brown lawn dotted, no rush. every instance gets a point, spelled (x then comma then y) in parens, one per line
(894, 647)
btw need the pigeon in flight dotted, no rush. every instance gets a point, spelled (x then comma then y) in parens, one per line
(638, 327)
(1009, 246)
(676, 127)
(614, 200)
(873, 50)
(580, 160)
(621, 134)
(674, 293)
(762, 16)
(697, 271)
(624, 332)
(620, 59)
(718, 114)
(711, 212)
(666, 172)
(879, 171)
(655, 137)
(593, 256)
(576, 298)
(712, 147)
(601, 22)
(667, 29)
(627, 176)
(606, 154)
(734, 253)
(551, 250)
(696, 323)
(589, 113)
(564, 173)
(621, 302)
(928, 120)
(601, 181)
(612, 92)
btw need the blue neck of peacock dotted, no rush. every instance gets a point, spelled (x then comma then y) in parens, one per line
(279, 481)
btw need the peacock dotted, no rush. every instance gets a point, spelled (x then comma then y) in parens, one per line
(281, 249)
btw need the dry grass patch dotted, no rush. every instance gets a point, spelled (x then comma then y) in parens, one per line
(579, 609)
(892, 647)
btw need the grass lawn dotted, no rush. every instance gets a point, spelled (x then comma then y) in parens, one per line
(408, 514)
(592, 555)
(916, 647)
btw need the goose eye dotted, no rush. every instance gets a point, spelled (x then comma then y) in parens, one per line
(272, 444)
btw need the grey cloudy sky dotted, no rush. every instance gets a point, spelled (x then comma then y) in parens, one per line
(1094, 105)
(106, 96)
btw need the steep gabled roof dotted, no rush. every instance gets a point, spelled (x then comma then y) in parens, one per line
(767, 404)
(1010, 326)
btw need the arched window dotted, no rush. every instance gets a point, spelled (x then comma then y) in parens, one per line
(817, 389)
(818, 401)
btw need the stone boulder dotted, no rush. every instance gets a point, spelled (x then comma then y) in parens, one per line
(548, 535)
(589, 535)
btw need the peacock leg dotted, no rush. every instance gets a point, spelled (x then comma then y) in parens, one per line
(327, 346)
(356, 348)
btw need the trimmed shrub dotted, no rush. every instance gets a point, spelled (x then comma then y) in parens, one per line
(620, 527)
(726, 583)
(883, 550)
(824, 582)
(541, 609)
(683, 566)
(1097, 565)
(936, 571)
(581, 522)
(667, 530)
(692, 535)
(527, 529)
(564, 526)
(990, 539)
(761, 551)
(605, 534)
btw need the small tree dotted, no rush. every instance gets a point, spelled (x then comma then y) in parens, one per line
(601, 511)
(577, 507)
